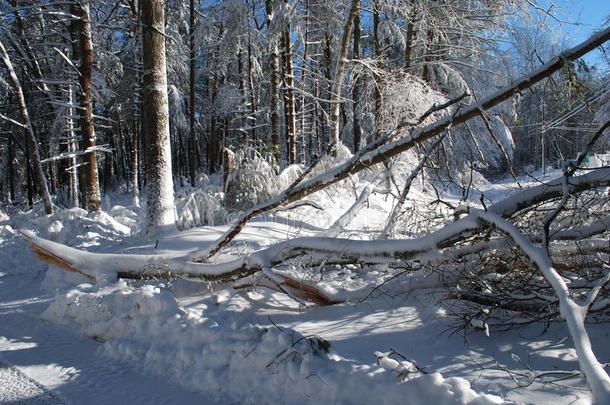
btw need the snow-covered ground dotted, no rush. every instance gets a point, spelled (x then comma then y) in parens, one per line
(65, 340)
(45, 363)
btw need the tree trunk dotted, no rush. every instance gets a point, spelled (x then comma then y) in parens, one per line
(289, 102)
(425, 74)
(28, 176)
(155, 128)
(183, 160)
(357, 129)
(134, 187)
(328, 91)
(377, 95)
(82, 28)
(108, 163)
(410, 39)
(32, 143)
(11, 170)
(215, 138)
(136, 139)
(194, 150)
(315, 146)
(72, 147)
(122, 142)
(252, 91)
(243, 102)
(304, 67)
(340, 72)
(274, 99)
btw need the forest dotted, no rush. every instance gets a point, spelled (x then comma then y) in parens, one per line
(295, 201)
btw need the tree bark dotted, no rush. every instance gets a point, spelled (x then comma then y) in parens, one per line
(134, 187)
(82, 29)
(252, 90)
(274, 103)
(324, 115)
(304, 68)
(410, 38)
(377, 94)
(11, 170)
(357, 128)
(155, 128)
(340, 72)
(108, 164)
(425, 75)
(137, 156)
(289, 101)
(194, 149)
(274, 99)
(72, 147)
(243, 102)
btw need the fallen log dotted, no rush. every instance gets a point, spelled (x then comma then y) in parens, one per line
(102, 266)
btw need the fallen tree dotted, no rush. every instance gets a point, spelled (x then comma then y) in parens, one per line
(105, 266)
(573, 312)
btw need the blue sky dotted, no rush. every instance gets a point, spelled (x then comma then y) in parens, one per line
(583, 17)
(590, 14)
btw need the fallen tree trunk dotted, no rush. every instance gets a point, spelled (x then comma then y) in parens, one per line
(109, 266)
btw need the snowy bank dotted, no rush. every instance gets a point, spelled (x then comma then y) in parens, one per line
(247, 364)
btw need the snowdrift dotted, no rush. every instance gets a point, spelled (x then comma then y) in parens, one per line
(246, 364)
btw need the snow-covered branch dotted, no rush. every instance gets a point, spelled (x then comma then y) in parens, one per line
(71, 155)
(573, 313)
(339, 250)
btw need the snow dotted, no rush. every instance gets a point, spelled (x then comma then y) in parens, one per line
(195, 341)
(45, 363)
(238, 363)
(573, 313)
(16, 387)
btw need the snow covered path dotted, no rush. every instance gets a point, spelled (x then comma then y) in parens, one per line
(41, 363)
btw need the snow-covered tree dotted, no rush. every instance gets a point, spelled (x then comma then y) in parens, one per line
(155, 124)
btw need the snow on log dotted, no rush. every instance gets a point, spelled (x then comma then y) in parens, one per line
(105, 265)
